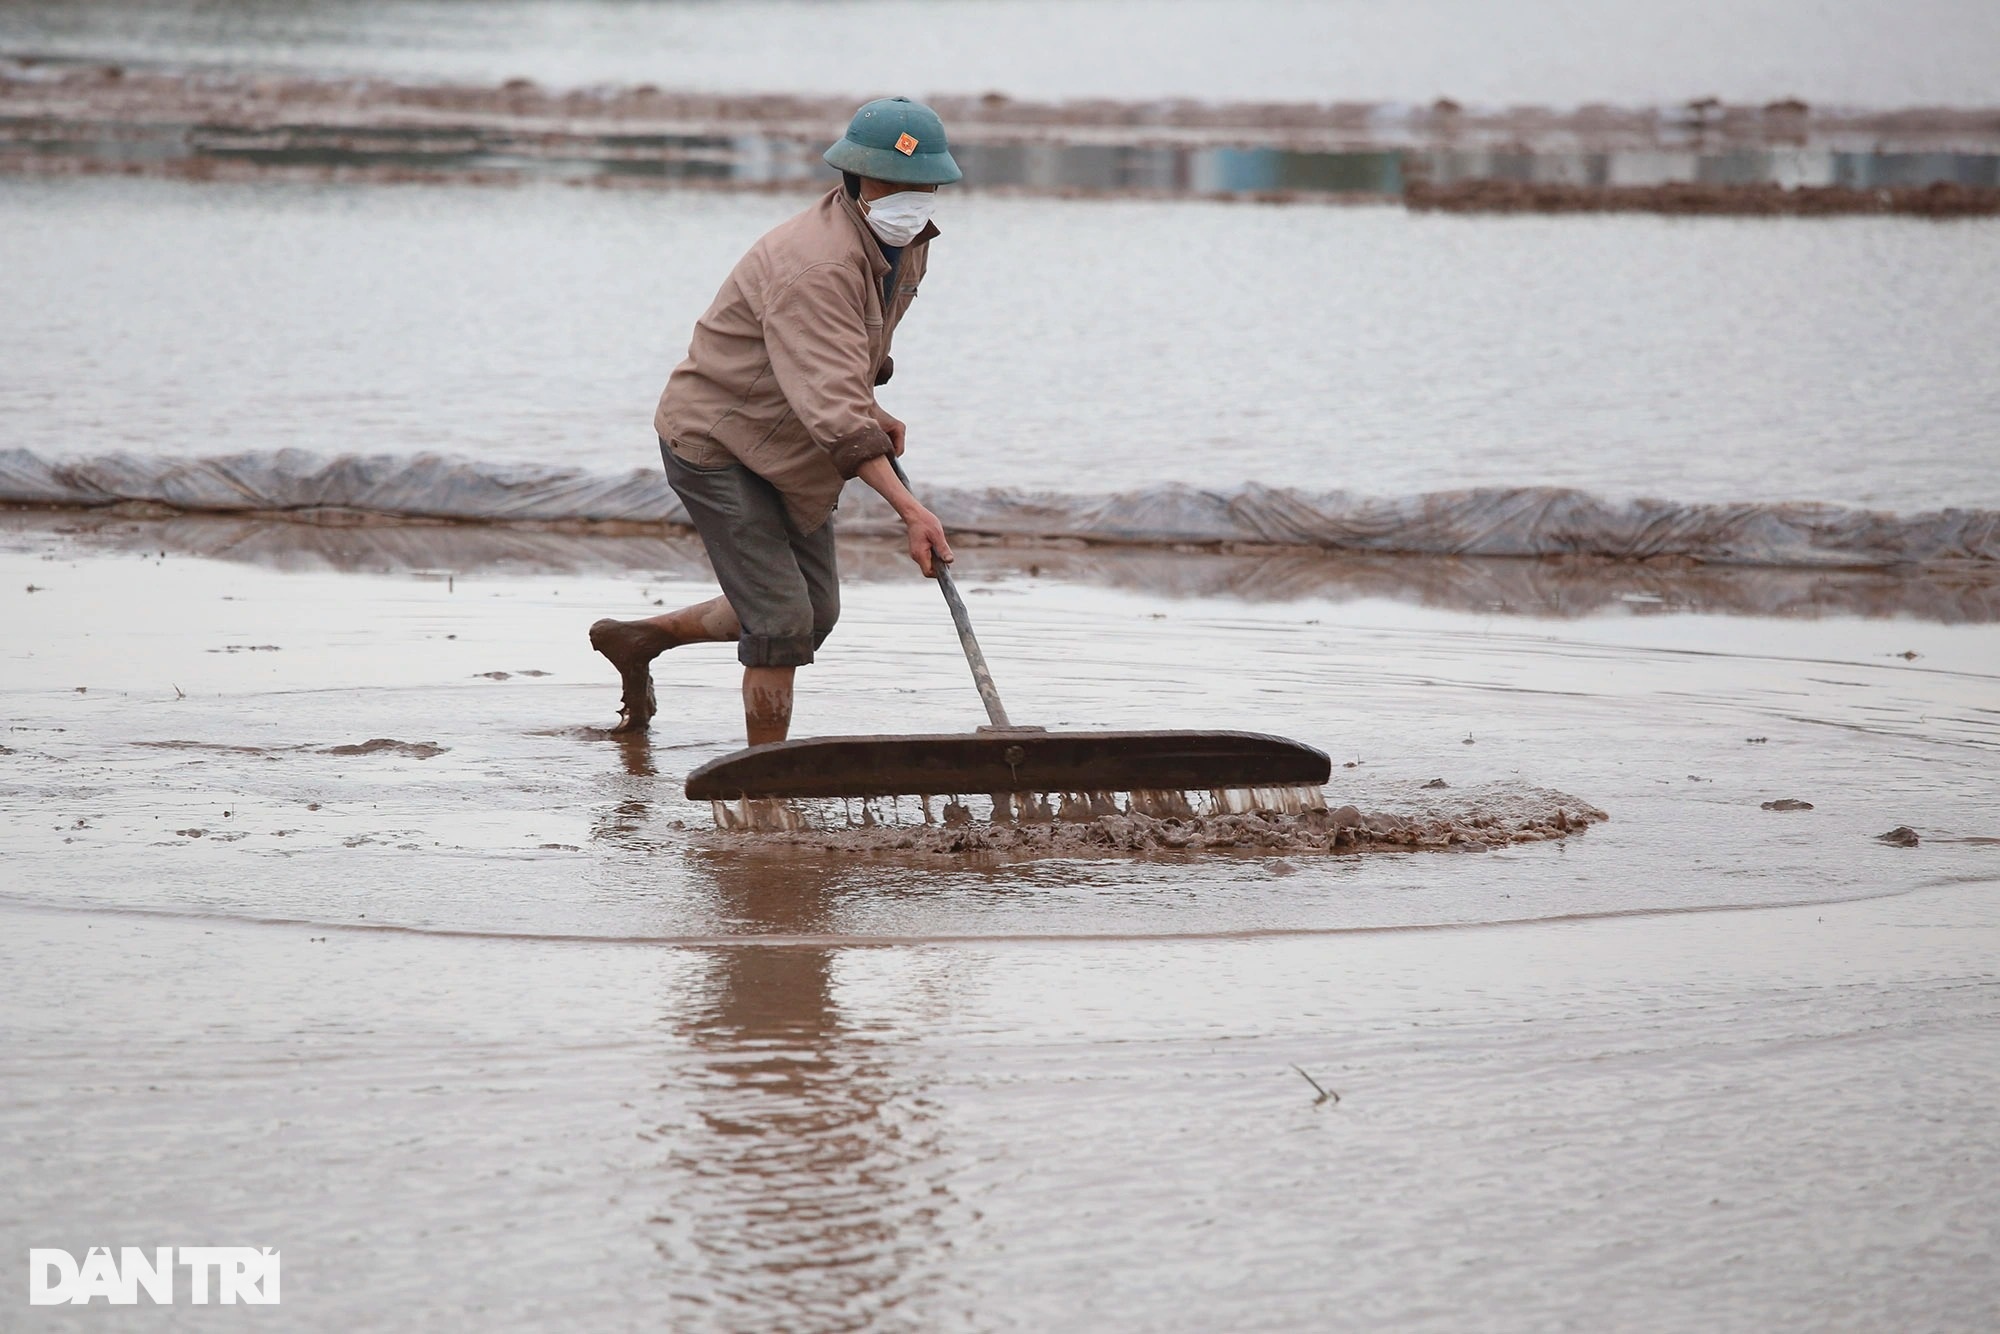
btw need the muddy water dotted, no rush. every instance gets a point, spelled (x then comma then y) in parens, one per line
(1366, 349)
(1865, 51)
(493, 985)
(240, 797)
(1539, 1127)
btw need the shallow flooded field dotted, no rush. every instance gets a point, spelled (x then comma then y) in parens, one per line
(1070, 347)
(465, 1007)
(480, 694)
(333, 921)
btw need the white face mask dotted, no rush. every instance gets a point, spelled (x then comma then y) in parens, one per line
(899, 217)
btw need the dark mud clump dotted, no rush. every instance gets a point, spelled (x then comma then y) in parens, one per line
(422, 750)
(1480, 820)
(1787, 804)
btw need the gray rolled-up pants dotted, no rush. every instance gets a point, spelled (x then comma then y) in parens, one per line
(783, 584)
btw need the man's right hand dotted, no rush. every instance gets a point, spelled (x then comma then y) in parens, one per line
(927, 541)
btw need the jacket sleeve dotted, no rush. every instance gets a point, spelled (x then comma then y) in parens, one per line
(816, 333)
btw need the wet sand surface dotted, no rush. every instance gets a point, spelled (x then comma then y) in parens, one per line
(464, 1007)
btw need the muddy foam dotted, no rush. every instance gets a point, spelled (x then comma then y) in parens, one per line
(1433, 819)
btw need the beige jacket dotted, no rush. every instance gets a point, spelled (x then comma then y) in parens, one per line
(781, 373)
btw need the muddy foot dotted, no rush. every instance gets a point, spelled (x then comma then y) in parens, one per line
(631, 646)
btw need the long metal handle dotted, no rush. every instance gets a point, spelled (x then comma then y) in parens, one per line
(981, 676)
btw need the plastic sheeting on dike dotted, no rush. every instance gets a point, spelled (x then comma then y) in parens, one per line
(1484, 521)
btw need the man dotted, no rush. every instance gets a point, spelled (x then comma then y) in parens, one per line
(774, 410)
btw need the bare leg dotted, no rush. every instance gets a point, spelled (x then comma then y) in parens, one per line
(767, 703)
(632, 645)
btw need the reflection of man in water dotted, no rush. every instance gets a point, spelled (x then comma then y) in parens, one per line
(774, 409)
(809, 1188)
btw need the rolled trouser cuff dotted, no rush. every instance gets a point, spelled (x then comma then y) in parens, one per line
(774, 650)
(851, 451)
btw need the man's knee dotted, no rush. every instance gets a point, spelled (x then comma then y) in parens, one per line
(825, 613)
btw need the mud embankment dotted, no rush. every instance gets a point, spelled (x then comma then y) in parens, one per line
(68, 118)
(1939, 199)
(224, 98)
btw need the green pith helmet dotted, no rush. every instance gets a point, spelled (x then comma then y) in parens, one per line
(895, 139)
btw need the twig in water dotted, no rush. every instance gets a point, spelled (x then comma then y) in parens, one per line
(1325, 1095)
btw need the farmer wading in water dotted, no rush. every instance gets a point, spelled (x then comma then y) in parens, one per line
(774, 409)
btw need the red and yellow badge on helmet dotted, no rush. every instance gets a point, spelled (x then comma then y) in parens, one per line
(906, 144)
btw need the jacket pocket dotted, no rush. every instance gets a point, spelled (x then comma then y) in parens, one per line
(705, 469)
